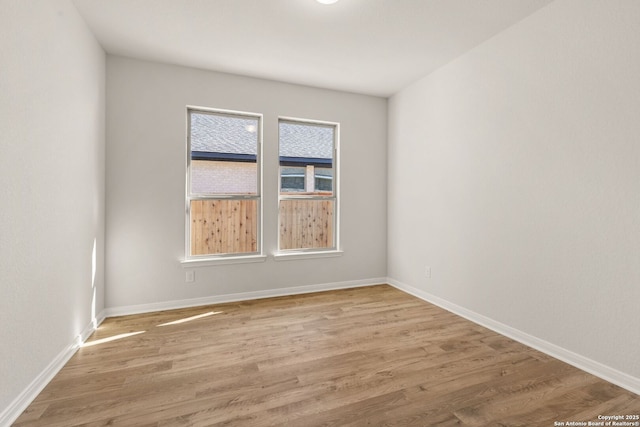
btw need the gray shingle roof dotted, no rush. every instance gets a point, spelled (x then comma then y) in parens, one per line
(216, 133)
(303, 140)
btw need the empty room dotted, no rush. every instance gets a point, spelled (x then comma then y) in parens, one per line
(319, 213)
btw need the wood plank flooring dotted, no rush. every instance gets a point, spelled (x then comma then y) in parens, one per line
(370, 356)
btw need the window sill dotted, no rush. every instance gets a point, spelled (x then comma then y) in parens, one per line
(287, 256)
(208, 262)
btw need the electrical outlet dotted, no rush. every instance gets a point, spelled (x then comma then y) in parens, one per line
(427, 272)
(191, 276)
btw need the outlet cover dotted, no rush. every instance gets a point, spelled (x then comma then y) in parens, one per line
(191, 276)
(427, 272)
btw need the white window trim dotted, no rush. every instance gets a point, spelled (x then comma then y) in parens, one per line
(308, 254)
(290, 254)
(221, 259)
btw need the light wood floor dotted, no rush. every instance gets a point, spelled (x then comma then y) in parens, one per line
(361, 357)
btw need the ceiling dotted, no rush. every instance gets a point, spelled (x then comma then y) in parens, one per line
(373, 47)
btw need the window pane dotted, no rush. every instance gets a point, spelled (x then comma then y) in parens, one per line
(306, 224)
(223, 154)
(292, 179)
(224, 226)
(306, 148)
(323, 180)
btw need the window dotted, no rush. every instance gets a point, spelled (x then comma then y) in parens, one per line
(292, 179)
(308, 199)
(223, 183)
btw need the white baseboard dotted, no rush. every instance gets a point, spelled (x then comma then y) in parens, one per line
(243, 296)
(605, 372)
(90, 328)
(24, 399)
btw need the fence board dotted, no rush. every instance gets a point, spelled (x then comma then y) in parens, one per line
(223, 226)
(306, 224)
(230, 226)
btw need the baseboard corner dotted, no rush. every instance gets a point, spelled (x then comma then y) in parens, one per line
(11, 413)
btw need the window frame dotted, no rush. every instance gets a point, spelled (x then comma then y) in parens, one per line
(224, 258)
(301, 253)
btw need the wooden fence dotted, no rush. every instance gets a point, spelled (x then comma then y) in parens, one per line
(306, 224)
(224, 226)
(230, 226)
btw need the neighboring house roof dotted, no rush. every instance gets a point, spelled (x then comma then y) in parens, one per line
(213, 133)
(302, 140)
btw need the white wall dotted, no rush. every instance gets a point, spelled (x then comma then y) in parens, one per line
(514, 172)
(52, 76)
(146, 110)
